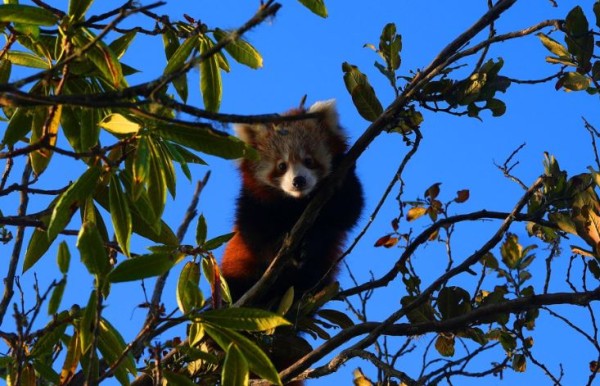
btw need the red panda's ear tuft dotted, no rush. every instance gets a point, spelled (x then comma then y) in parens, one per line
(330, 114)
(252, 134)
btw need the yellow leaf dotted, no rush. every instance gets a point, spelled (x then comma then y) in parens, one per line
(118, 124)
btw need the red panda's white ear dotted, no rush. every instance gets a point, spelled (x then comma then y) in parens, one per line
(329, 111)
(251, 134)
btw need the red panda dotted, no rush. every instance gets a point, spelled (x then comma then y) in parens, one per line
(276, 188)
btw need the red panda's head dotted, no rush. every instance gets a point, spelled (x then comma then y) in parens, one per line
(294, 156)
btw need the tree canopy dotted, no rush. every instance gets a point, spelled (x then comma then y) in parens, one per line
(95, 152)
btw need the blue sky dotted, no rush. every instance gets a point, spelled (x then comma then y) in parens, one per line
(303, 55)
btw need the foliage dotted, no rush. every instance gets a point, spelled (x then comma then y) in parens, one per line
(62, 77)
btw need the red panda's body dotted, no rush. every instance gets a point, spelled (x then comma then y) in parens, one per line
(294, 158)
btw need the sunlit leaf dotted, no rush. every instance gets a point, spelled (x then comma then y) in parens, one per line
(246, 319)
(235, 368)
(63, 258)
(210, 78)
(119, 124)
(27, 59)
(216, 242)
(176, 379)
(316, 6)
(46, 342)
(88, 322)
(241, 50)
(416, 212)
(37, 247)
(573, 81)
(112, 346)
(121, 44)
(201, 230)
(553, 46)
(41, 127)
(519, 363)
(17, 13)
(71, 360)
(142, 267)
(177, 56)
(103, 58)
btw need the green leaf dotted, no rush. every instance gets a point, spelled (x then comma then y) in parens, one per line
(453, 302)
(46, 371)
(103, 58)
(210, 77)
(240, 50)
(445, 345)
(140, 166)
(166, 166)
(157, 184)
(40, 126)
(92, 249)
(189, 296)
(235, 368)
(177, 379)
(553, 46)
(56, 297)
(119, 124)
(217, 241)
(176, 60)
(142, 267)
(27, 60)
(316, 6)
(574, 81)
(390, 45)
(511, 251)
(201, 230)
(246, 319)
(71, 199)
(19, 125)
(121, 44)
(362, 93)
(63, 258)
(120, 214)
(5, 68)
(17, 13)
(87, 323)
(112, 346)
(258, 362)
(46, 342)
(37, 247)
(78, 8)
(205, 139)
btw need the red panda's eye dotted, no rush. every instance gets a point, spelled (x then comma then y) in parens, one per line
(282, 166)
(309, 162)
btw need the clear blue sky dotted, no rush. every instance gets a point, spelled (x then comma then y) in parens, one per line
(303, 55)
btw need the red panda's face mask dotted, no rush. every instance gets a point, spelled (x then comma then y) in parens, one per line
(294, 156)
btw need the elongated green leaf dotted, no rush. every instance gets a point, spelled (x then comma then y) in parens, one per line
(176, 56)
(47, 341)
(119, 124)
(27, 59)
(120, 45)
(217, 241)
(17, 13)
(103, 58)
(92, 250)
(166, 166)
(362, 93)
(241, 50)
(37, 247)
(235, 368)
(71, 199)
(56, 297)
(120, 214)
(258, 362)
(46, 371)
(210, 78)
(189, 296)
(19, 125)
(246, 319)
(5, 69)
(71, 359)
(205, 139)
(157, 184)
(78, 8)
(112, 346)
(87, 323)
(140, 167)
(201, 230)
(63, 258)
(316, 6)
(142, 267)
(390, 45)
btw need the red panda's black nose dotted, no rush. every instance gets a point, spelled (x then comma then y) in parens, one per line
(299, 182)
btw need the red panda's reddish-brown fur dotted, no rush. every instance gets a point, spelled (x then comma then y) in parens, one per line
(276, 188)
